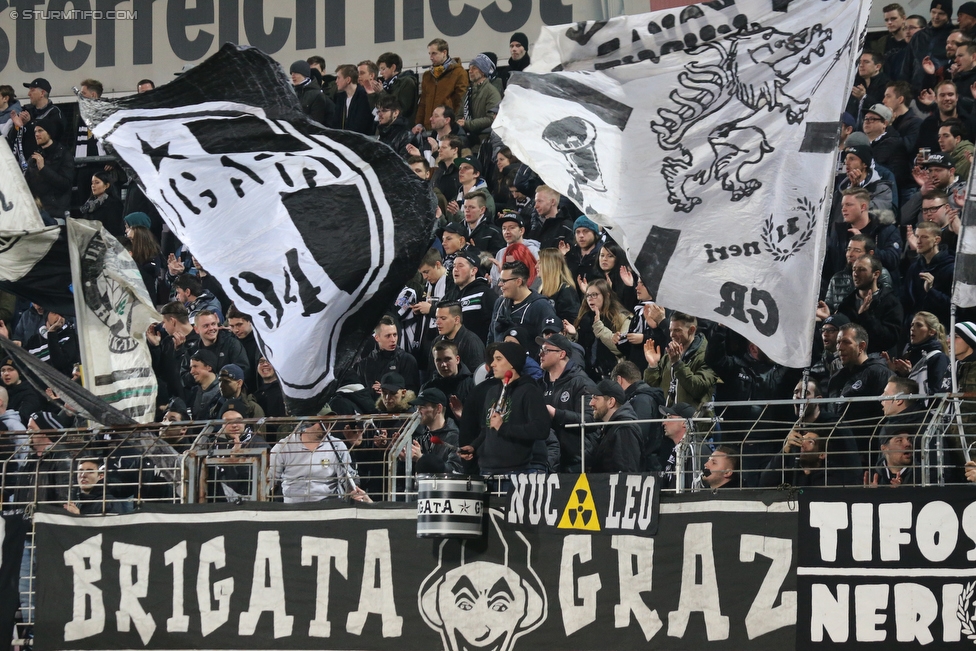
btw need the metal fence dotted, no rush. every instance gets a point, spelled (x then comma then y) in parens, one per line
(98, 471)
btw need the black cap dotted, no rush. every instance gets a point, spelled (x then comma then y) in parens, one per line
(238, 405)
(206, 358)
(510, 216)
(682, 409)
(392, 382)
(457, 228)
(836, 320)
(178, 406)
(552, 325)
(41, 83)
(939, 160)
(470, 254)
(469, 160)
(557, 340)
(610, 389)
(430, 396)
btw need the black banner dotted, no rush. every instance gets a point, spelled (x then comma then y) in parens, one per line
(718, 575)
(887, 569)
(609, 504)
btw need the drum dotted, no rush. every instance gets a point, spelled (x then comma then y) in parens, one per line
(450, 506)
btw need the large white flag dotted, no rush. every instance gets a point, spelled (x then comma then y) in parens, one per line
(113, 311)
(705, 138)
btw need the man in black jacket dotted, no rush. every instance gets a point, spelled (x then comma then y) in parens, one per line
(353, 112)
(567, 389)
(878, 311)
(646, 401)
(515, 419)
(450, 328)
(519, 305)
(618, 447)
(477, 298)
(452, 377)
(51, 168)
(860, 376)
(314, 102)
(207, 335)
(393, 129)
(388, 358)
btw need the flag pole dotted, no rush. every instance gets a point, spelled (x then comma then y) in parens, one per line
(963, 294)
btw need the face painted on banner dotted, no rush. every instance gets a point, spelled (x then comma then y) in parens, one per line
(204, 181)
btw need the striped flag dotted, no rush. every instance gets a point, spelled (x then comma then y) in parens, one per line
(964, 281)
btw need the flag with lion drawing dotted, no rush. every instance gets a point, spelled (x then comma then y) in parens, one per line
(705, 139)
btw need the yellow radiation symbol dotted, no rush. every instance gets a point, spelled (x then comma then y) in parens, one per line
(580, 512)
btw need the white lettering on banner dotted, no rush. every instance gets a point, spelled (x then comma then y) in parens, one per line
(133, 559)
(212, 553)
(763, 617)
(934, 530)
(699, 597)
(376, 594)
(536, 490)
(572, 590)
(322, 551)
(635, 566)
(85, 561)
(914, 609)
(270, 595)
(179, 622)
(638, 503)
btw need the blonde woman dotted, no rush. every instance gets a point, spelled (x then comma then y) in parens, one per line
(925, 358)
(558, 285)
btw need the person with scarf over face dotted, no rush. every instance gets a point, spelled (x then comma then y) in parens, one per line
(519, 61)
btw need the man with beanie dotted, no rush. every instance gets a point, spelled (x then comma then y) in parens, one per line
(519, 59)
(21, 137)
(966, 19)
(928, 42)
(618, 442)
(51, 168)
(965, 360)
(481, 101)
(582, 256)
(516, 417)
(314, 102)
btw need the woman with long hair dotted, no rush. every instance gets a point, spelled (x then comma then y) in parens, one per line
(507, 165)
(147, 255)
(598, 327)
(612, 265)
(557, 284)
(104, 206)
(925, 358)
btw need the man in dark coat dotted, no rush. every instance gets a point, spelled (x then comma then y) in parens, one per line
(567, 389)
(353, 112)
(314, 102)
(618, 447)
(51, 168)
(393, 128)
(646, 401)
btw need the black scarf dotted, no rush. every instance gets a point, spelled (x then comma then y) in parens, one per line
(388, 83)
(520, 65)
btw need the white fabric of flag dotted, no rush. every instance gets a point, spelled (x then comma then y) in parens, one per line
(705, 139)
(113, 311)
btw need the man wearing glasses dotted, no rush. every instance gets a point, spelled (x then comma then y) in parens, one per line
(936, 173)
(393, 131)
(936, 209)
(520, 305)
(567, 389)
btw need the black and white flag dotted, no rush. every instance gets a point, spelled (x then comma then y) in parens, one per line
(311, 231)
(706, 138)
(964, 280)
(113, 311)
(33, 257)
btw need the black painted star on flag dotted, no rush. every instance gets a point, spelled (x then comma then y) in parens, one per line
(157, 154)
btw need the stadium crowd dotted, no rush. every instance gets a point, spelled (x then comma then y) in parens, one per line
(526, 319)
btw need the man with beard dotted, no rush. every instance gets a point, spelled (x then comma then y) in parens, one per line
(842, 283)
(618, 442)
(719, 470)
(520, 305)
(860, 376)
(878, 311)
(393, 130)
(432, 406)
(646, 402)
(801, 463)
(480, 101)
(566, 387)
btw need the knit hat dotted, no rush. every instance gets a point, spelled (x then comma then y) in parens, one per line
(944, 5)
(968, 8)
(967, 330)
(585, 222)
(520, 334)
(858, 139)
(883, 111)
(519, 37)
(137, 219)
(206, 358)
(177, 405)
(862, 152)
(514, 353)
(9, 361)
(484, 64)
(238, 405)
(51, 124)
(302, 68)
